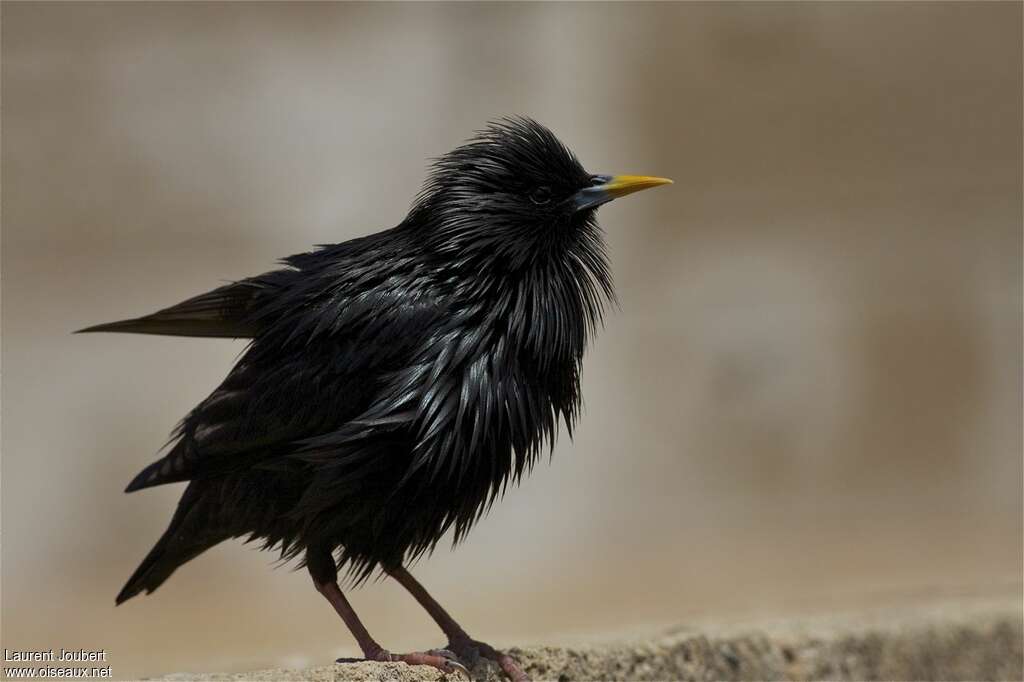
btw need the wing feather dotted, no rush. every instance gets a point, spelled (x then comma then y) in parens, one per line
(225, 312)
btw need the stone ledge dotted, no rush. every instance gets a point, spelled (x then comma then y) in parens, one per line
(952, 641)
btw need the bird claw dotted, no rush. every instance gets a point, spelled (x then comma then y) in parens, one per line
(442, 659)
(473, 650)
(453, 660)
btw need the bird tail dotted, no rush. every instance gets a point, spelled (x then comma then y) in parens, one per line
(173, 549)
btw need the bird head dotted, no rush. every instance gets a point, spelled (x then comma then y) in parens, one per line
(513, 195)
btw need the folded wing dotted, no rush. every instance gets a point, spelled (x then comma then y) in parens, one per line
(225, 312)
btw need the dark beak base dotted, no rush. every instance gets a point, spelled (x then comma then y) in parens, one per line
(609, 187)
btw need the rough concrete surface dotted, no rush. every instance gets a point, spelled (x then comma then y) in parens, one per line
(956, 641)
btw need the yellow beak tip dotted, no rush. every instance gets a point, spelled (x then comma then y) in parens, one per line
(621, 185)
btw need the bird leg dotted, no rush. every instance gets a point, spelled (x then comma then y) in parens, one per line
(459, 643)
(373, 651)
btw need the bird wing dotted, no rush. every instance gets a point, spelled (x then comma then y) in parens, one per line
(224, 312)
(242, 309)
(255, 410)
(308, 372)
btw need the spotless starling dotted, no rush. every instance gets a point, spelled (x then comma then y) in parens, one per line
(396, 383)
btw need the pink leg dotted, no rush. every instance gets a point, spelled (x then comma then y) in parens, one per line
(373, 651)
(458, 641)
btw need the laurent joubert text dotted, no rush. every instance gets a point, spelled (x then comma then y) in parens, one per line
(72, 658)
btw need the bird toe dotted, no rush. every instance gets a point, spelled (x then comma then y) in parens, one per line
(472, 650)
(453, 660)
(442, 659)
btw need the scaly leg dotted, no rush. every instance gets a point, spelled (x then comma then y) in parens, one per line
(325, 579)
(459, 642)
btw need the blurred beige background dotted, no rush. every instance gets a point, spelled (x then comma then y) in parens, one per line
(810, 399)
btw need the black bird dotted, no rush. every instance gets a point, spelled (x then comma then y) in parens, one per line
(395, 383)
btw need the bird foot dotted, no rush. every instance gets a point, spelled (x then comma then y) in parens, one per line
(442, 659)
(470, 650)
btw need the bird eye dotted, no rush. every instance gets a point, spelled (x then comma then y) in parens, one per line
(541, 195)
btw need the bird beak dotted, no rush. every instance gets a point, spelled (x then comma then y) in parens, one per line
(608, 187)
